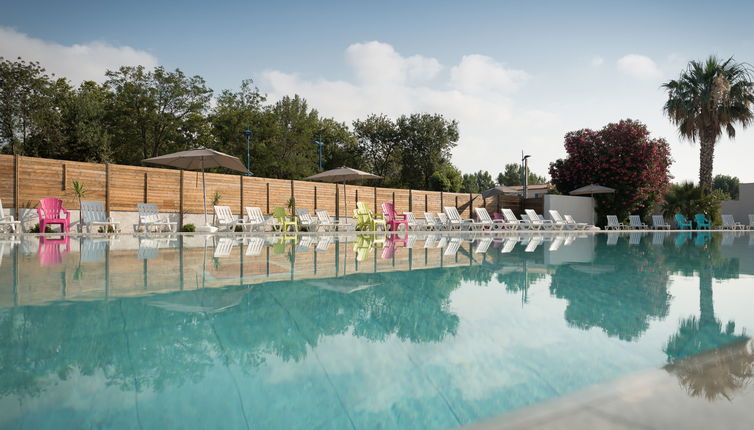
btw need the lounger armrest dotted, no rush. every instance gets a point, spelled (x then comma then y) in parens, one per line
(8, 218)
(66, 212)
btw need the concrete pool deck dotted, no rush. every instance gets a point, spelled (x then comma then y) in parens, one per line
(707, 391)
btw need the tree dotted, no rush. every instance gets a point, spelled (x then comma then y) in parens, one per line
(85, 131)
(687, 199)
(621, 156)
(152, 112)
(709, 97)
(30, 109)
(446, 178)
(233, 112)
(425, 144)
(378, 142)
(477, 182)
(511, 176)
(727, 185)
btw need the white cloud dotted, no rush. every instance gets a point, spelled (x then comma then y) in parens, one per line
(78, 62)
(597, 61)
(477, 92)
(639, 66)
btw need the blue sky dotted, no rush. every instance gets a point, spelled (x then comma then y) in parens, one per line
(516, 76)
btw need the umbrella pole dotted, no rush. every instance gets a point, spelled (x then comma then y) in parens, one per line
(204, 196)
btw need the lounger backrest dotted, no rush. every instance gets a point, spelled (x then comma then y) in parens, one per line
(612, 221)
(429, 217)
(555, 216)
(443, 218)
(634, 220)
(148, 212)
(509, 216)
(93, 212)
(569, 219)
(254, 214)
(224, 214)
(751, 221)
(533, 216)
(304, 216)
(483, 215)
(2, 212)
(410, 218)
(658, 220)
(389, 210)
(452, 213)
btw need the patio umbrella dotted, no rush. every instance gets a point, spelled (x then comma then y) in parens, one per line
(591, 190)
(342, 174)
(500, 189)
(200, 159)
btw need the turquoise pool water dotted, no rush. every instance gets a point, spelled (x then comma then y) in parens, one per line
(420, 332)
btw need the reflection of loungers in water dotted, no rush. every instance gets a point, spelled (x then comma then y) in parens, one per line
(429, 242)
(510, 243)
(453, 246)
(93, 250)
(323, 243)
(556, 244)
(658, 238)
(483, 245)
(728, 237)
(255, 247)
(634, 238)
(612, 239)
(224, 247)
(533, 243)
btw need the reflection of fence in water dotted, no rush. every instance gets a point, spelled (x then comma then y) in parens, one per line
(98, 272)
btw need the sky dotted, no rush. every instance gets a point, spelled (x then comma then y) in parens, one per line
(517, 76)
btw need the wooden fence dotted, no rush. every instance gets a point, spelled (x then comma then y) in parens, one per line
(24, 180)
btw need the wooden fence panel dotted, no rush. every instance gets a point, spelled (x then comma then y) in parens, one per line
(280, 192)
(127, 187)
(163, 188)
(8, 181)
(401, 200)
(304, 194)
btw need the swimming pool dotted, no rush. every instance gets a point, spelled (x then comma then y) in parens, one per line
(404, 332)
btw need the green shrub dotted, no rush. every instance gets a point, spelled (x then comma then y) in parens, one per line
(238, 229)
(110, 229)
(188, 228)
(687, 199)
(35, 229)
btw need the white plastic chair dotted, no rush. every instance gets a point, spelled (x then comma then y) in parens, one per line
(614, 224)
(149, 217)
(93, 214)
(635, 222)
(8, 220)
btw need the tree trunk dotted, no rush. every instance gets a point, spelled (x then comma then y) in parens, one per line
(706, 305)
(706, 159)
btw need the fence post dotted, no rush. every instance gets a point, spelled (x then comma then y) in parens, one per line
(180, 208)
(240, 204)
(375, 199)
(315, 201)
(146, 187)
(410, 209)
(293, 196)
(337, 202)
(107, 189)
(16, 160)
(267, 186)
(65, 176)
(442, 201)
(375, 206)
(471, 205)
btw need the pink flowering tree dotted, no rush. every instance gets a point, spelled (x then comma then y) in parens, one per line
(620, 156)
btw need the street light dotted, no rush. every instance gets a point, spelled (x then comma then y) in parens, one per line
(247, 133)
(525, 173)
(319, 149)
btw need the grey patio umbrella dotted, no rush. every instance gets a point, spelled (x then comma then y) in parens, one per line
(500, 189)
(342, 174)
(591, 190)
(200, 159)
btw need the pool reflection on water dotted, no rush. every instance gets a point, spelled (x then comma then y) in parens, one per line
(355, 331)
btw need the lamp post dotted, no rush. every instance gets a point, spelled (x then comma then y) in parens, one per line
(319, 149)
(247, 133)
(525, 173)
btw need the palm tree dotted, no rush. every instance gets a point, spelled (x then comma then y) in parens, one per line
(709, 97)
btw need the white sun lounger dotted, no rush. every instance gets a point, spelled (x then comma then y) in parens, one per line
(658, 222)
(635, 222)
(93, 215)
(8, 220)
